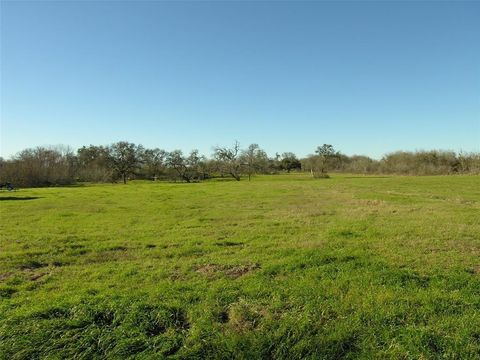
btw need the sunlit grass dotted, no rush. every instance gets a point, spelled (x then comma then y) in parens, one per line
(282, 266)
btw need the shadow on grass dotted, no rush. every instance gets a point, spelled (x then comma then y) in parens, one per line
(366, 177)
(80, 184)
(4, 198)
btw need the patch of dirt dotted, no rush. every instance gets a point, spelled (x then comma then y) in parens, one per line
(118, 248)
(375, 202)
(31, 265)
(59, 263)
(372, 203)
(474, 270)
(228, 243)
(232, 271)
(177, 274)
(244, 316)
(35, 277)
(5, 276)
(237, 271)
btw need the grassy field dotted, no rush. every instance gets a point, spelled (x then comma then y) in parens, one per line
(280, 267)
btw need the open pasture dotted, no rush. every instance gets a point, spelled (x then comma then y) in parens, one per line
(283, 267)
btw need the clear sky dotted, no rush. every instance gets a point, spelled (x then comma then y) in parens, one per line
(367, 77)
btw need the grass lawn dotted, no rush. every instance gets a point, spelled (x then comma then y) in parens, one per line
(281, 267)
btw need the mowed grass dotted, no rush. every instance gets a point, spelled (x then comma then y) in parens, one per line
(283, 267)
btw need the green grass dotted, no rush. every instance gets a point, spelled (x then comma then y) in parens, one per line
(281, 267)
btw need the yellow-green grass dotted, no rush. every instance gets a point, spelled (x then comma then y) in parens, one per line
(283, 266)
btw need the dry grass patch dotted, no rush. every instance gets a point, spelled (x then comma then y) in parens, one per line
(231, 271)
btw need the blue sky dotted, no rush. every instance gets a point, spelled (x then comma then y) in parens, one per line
(367, 77)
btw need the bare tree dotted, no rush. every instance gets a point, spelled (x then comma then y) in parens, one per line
(41, 166)
(45, 166)
(229, 159)
(254, 159)
(188, 168)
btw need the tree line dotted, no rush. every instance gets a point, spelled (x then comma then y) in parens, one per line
(123, 161)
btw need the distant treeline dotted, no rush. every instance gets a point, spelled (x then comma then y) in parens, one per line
(122, 161)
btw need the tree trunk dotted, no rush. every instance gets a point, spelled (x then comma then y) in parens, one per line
(124, 178)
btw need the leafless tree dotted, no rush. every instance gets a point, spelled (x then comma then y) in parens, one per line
(188, 168)
(41, 166)
(229, 159)
(254, 160)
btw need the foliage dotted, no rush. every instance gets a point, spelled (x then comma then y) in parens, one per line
(318, 165)
(289, 162)
(254, 159)
(123, 160)
(154, 163)
(93, 164)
